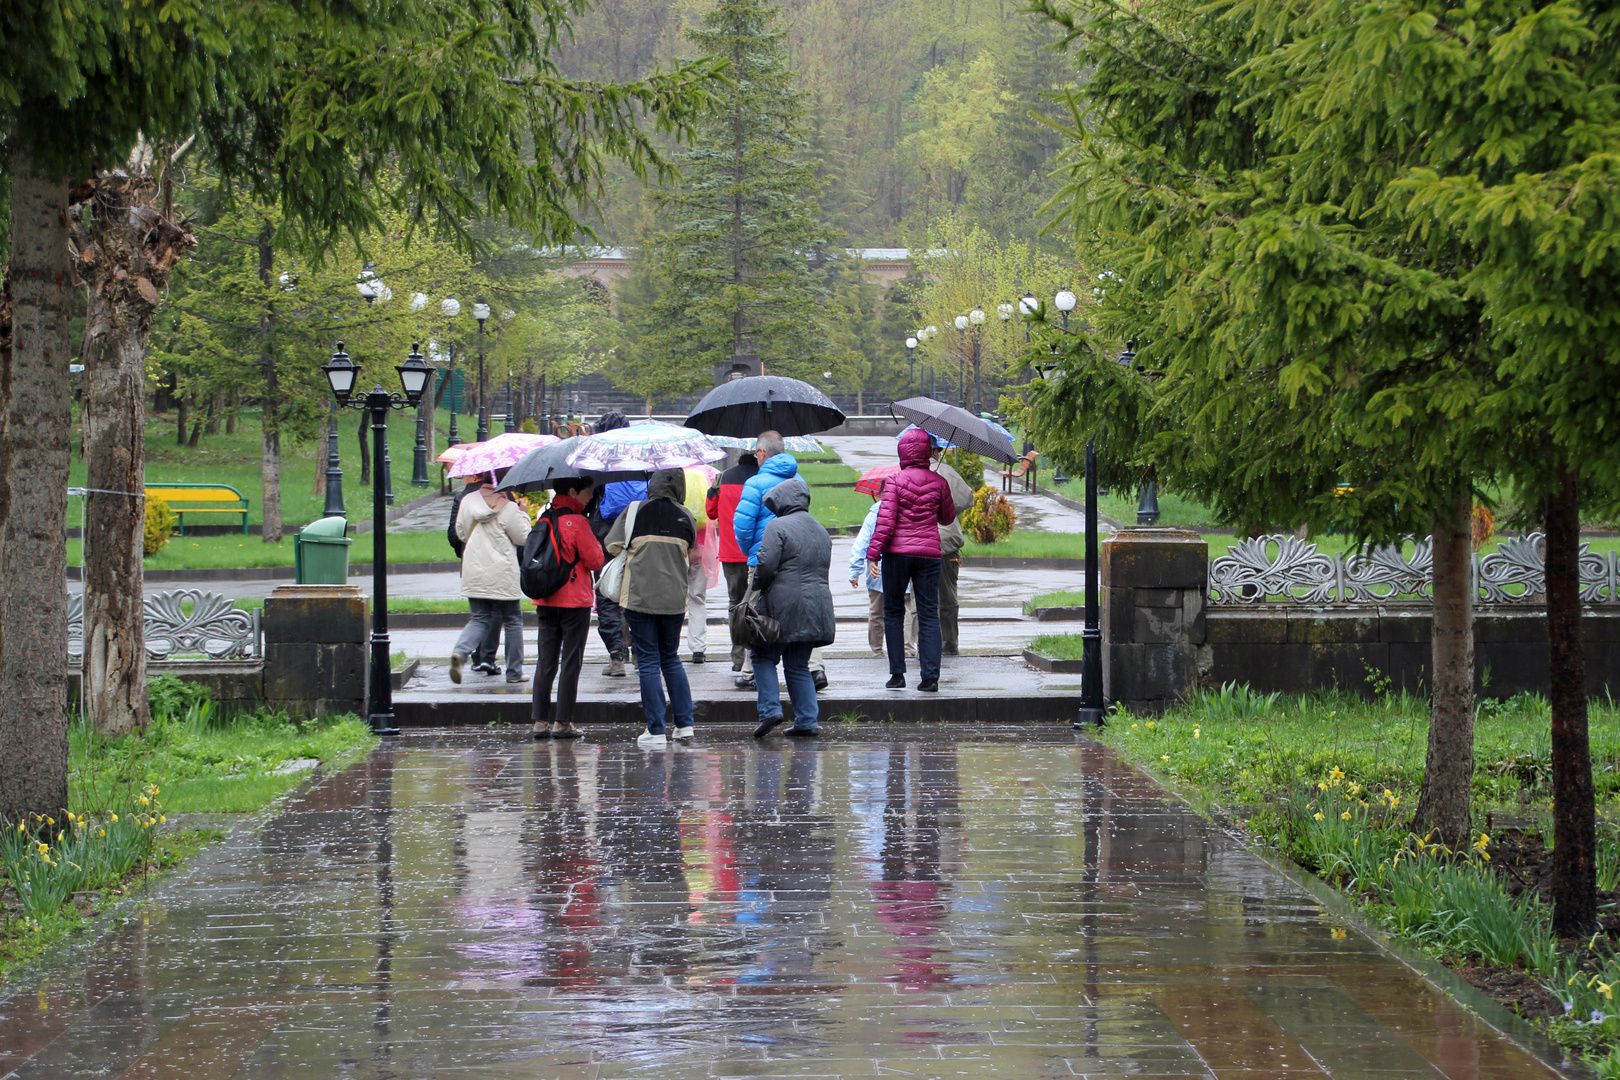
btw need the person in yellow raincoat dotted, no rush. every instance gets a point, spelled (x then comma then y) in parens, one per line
(705, 567)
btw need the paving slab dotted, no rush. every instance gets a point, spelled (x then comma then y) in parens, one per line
(1005, 901)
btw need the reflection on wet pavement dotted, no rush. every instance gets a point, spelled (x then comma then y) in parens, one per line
(923, 902)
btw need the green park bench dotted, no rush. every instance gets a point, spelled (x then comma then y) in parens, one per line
(186, 499)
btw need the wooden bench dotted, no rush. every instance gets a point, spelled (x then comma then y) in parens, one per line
(1027, 468)
(186, 499)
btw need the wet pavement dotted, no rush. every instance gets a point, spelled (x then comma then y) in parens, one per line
(928, 901)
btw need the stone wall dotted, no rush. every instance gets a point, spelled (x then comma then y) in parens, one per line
(1162, 640)
(1303, 648)
(315, 649)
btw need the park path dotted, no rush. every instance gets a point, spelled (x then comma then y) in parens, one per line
(933, 901)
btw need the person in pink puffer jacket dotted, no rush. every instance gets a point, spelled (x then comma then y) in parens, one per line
(916, 502)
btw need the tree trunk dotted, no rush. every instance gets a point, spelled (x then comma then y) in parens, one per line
(270, 403)
(128, 249)
(35, 435)
(180, 411)
(230, 414)
(212, 427)
(1574, 883)
(1448, 776)
(365, 449)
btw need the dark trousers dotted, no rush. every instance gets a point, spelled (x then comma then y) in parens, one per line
(610, 625)
(485, 652)
(657, 641)
(949, 607)
(559, 652)
(923, 577)
(736, 586)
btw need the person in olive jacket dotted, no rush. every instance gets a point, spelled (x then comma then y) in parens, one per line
(916, 502)
(653, 595)
(565, 615)
(791, 574)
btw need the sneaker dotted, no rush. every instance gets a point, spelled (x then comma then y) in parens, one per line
(745, 683)
(566, 731)
(929, 686)
(486, 669)
(615, 667)
(683, 732)
(767, 725)
(950, 650)
(541, 731)
(648, 741)
(697, 658)
(803, 732)
(519, 677)
(736, 665)
(456, 660)
(896, 682)
(820, 679)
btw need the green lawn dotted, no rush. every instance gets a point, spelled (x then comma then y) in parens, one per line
(207, 552)
(816, 474)
(1054, 599)
(234, 460)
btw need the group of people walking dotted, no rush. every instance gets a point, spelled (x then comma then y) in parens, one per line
(644, 554)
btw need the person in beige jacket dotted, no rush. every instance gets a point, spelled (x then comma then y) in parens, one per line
(494, 529)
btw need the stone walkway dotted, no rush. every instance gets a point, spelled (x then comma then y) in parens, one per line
(916, 902)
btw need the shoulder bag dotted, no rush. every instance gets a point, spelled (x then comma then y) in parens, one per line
(611, 582)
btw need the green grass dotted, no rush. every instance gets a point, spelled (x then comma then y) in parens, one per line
(1032, 545)
(1057, 646)
(200, 760)
(818, 473)
(1054, 599)
(838, 507)
(234, 460)
(210, 552)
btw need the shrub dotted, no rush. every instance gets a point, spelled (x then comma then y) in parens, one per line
(159, 526)
(529, 426)
(966, 462)
(990, 518)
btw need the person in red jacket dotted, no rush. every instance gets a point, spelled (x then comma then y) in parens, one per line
(721, 507)
(916, 502)
(565, 615)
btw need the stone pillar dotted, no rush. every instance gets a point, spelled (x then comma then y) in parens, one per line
(1154, 584)
(315, 649)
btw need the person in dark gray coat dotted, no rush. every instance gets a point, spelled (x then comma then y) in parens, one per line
(791, 578)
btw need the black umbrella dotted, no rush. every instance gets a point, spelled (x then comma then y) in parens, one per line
(742, 408)
(957, 426)
(543, 466)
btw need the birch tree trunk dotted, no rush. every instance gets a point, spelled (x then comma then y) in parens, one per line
(1574, 882)
(35, 437)
(1448, 776)
(128, 247)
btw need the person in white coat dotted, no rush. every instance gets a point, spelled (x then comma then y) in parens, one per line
(494, 529)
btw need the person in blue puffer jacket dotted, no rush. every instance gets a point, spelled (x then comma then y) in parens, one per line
(776, 465)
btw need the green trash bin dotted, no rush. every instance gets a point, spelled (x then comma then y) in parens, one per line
(321, 553)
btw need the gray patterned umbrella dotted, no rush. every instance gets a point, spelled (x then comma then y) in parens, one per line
(957, 426)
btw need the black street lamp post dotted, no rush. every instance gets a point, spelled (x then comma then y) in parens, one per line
(481, 313)
(507, 425)
(911, 361)
(413, 377)
(451, 307)
(419, 456)
(1147, 503)
(334, 471)
(961, 322)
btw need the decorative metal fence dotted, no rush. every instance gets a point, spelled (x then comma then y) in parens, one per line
(212, 628)
(1284, 569)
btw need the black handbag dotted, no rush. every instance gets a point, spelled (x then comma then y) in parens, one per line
(750, 628)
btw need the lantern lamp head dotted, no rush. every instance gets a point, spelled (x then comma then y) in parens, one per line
(340, 375)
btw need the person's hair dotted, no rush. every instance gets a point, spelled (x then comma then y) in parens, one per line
(610, 421)
(768, 445)
(572, 485)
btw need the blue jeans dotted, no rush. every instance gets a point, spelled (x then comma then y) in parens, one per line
(922, 575)
(657, 642)
(795, 658)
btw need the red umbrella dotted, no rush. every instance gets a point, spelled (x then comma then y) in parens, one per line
(871, 483)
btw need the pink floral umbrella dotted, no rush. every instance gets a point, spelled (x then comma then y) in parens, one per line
(501, 452)
(644, 448)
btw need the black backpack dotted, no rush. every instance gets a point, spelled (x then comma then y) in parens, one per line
(542, 571)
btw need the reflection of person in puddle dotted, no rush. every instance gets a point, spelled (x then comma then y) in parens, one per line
(912, 894)
(559, 847)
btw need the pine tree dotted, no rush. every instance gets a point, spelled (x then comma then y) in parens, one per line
(732, 257)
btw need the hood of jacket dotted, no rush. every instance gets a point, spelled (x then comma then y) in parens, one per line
(783, 465)
(788, 497)
(610, 421)
(668, 484)
(914, 449)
